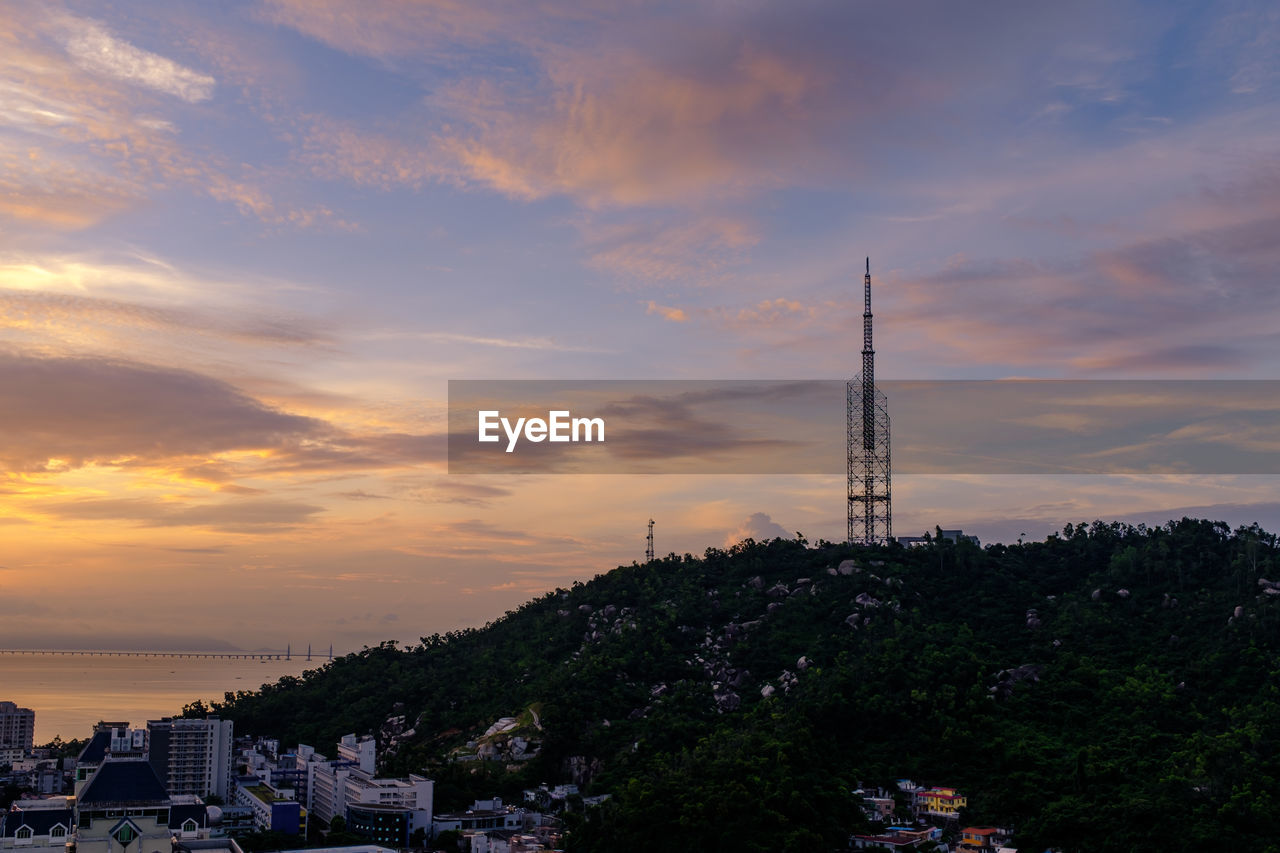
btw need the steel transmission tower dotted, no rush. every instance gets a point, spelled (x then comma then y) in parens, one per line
(870, 507)
(648, 547)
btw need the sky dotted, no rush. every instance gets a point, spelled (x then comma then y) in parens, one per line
(245, 245)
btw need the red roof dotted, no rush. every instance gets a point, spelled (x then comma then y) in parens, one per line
(979, 830)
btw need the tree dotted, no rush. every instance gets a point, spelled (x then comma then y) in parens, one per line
(449, 840)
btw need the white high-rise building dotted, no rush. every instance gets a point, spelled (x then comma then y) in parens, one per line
(347, 785)
(192, 756)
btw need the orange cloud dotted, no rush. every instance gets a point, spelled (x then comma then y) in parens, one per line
(697, 251)
(69, 413)
(626, 131)
(614, 120)
(675, 315)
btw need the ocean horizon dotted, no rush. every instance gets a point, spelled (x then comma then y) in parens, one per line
(70, 693)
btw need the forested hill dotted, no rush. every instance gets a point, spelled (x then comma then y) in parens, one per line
(1111, 688)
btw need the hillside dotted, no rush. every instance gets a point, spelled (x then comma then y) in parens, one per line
(1111, 688)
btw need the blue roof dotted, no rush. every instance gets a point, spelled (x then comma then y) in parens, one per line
(40, 821)
(123, 781)
(96, 749)
(178, 815)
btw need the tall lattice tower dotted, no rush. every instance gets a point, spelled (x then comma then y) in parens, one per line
(648, 546)
(870, 507)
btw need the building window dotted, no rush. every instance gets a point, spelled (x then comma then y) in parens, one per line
(23, 835)
(58, 832)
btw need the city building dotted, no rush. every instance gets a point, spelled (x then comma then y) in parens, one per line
(954, 536)
(484, 815)
(108, 739)
(273, 809)
(192, 756)
(386, 810)
(17, 727)
(37, 824)
(979, 839)
(940, 803)
(124, 801)
(877, 804)
(496, 841)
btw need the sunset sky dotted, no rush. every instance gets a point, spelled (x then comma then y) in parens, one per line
(245, 245)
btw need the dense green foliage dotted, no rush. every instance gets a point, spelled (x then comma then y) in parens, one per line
(1144, 713)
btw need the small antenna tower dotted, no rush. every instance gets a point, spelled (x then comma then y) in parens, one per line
(648, 548)
(870, 507)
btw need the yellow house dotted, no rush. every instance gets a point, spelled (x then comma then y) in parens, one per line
(940, 802)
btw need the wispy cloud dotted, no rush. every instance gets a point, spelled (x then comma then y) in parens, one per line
(525, 343)
(692, 250)
(96, 49)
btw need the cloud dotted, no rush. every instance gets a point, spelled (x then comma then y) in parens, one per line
(95, 49)
(698, 250)
(388, 28)
(614, 108)
(244, 516)
(68, 412)
(758, 526)
(775, 314)
(533, 343)
(627, 132)
(666, 312)
(60, 312)
(461, 491)
(58, 194)
(89, 127)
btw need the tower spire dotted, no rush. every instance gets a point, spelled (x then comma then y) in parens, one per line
(870, 512)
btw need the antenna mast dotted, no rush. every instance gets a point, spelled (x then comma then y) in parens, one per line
(648, 548)
(870, 507)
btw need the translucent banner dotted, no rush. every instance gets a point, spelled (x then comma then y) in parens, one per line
(799, 427)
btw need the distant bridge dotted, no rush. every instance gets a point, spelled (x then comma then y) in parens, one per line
(264, 656)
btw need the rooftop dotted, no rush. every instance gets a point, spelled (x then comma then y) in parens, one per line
(130, 780)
